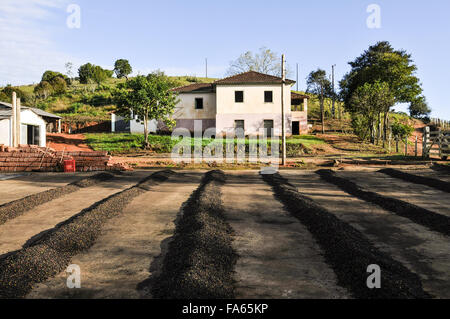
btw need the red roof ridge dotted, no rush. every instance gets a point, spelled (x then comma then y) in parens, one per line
(252, 77)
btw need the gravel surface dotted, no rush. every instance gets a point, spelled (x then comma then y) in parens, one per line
(51, 253)
(130, 247)
(428, 181)
(419, 215)
(419, 249)
(18, 207)
(200, 258)
(346, 249)
(278, 256)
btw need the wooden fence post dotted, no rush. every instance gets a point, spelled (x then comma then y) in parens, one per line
(425, 142)
(440, 142)
(416, 148)
(406, 146)
(390, 140)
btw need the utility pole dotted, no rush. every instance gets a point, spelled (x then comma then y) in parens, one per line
(206, 67)
(283, 124)
(333, 109)
(297, 77)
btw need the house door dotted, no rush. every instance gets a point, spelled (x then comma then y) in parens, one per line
(268, 127)
(296, 128)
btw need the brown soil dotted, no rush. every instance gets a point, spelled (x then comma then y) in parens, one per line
(68, 142)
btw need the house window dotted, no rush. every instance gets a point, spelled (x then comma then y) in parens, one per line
(239, 96)
(199, 103)
(239, 124)
(268, 97)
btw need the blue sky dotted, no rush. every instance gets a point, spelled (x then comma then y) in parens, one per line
(176, 36)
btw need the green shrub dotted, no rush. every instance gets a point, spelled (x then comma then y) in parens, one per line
(401, 131)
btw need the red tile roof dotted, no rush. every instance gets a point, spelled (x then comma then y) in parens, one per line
(298, 96)
(243, 78)
(253, 78)
(195, 88)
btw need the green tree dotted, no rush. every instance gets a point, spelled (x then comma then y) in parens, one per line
(86, 73)
(318, 84)
(384, 64)
(59, 85)
(146, 97)
(369, 101)
(419, 108)
(122, 68)
(89, 73)
(99, 75)
(50, 76)
(43, 90)
(401, 130)
(6, 94)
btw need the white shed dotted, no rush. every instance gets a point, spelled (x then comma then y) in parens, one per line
(33, 125)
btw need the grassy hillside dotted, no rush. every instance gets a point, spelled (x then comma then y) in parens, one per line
(87, 102)
(314, 107)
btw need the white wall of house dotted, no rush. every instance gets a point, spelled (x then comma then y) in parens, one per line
(135, 126)
(185, 109)
(5, 132)
(253, 99)
(28, 117)
(254, 110)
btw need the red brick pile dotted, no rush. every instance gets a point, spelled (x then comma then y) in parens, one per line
(28, 158)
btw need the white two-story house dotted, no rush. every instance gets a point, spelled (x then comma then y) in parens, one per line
(251, 101)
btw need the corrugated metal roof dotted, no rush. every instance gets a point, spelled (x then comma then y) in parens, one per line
(5, 110)
(43, 113)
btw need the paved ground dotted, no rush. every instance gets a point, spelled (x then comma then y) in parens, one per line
(424, 252)
(16, 232)
(27, 184)
(129, 244)
(417, 194)
(430, 173)
(278, 257)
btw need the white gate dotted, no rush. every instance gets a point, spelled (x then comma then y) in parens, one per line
(436, 143)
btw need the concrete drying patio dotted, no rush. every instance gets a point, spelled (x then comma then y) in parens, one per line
(278, 254)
